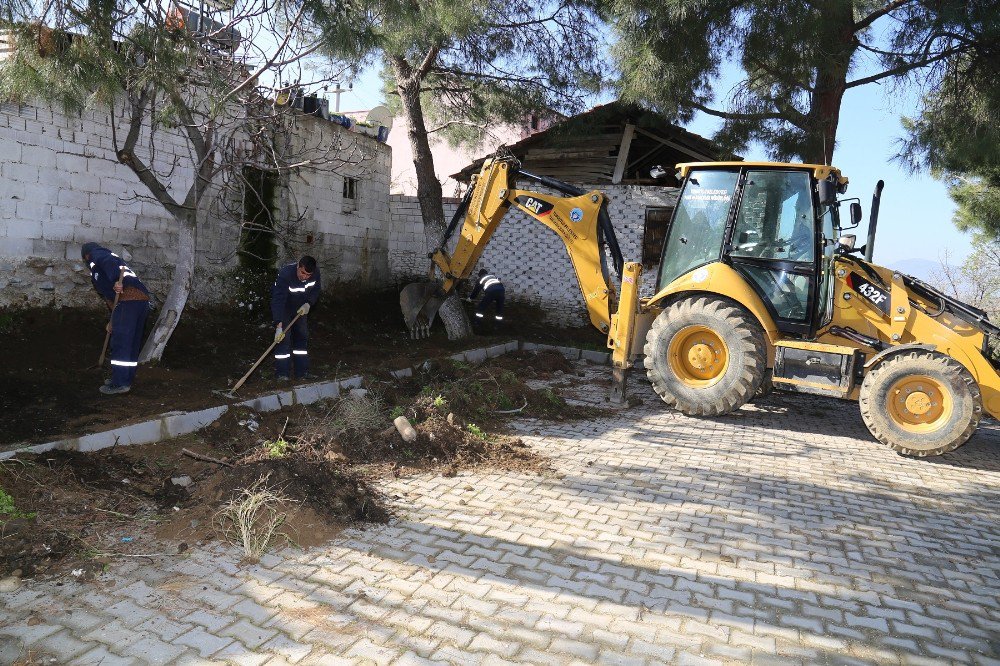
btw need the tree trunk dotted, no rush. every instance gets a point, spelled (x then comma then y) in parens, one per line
(831, 83)
(429, 195)
(180, 289)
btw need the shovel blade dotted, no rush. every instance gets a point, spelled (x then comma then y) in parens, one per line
(419, 303)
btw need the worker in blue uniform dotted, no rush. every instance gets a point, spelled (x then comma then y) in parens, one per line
(493, 292)
(128, 301)
(295, 291)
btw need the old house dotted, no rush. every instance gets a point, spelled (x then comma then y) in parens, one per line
(612, 148)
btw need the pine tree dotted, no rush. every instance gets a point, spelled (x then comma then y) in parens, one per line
(463, 67)
(797, 60)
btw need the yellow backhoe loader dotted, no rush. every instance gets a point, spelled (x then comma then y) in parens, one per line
(757, 283)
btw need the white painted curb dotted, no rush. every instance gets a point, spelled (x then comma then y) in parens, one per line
(175, 424)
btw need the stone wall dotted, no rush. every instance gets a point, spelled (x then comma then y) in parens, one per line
(530, 258)
(61, 186)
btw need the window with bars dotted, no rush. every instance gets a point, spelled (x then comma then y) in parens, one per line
(352, 194)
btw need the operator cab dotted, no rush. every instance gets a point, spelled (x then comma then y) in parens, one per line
(776, 224)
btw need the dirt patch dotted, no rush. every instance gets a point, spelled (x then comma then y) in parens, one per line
(75, 512)
(48, 390)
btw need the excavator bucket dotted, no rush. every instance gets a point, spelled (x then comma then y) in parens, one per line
(419, 302)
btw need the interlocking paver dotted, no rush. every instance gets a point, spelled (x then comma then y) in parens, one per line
(781, 534)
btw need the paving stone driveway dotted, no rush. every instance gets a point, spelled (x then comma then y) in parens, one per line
(780, 534)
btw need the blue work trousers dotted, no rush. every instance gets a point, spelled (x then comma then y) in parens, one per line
(294, 346)
(494, 294)
(127, 324)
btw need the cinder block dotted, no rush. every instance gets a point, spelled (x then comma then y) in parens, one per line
(15, 247)
(58, 231)
(601, 358)
(23, 173)
(72, 198)
(71, 163)
(475, 356)
(351, 382)
(572, 353)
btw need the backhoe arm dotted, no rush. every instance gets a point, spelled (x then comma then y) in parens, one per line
(579, 218)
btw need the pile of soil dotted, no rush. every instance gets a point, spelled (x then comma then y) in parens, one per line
(48, 390)
(74, 512)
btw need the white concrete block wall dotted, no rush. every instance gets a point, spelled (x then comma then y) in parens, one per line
(530, 258)
(351, 242)
(61, 185)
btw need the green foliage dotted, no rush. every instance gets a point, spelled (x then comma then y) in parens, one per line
(476, 431)
(8, 511)
(553, 398)
(439, 402)
(956, 136)
(491, 60)
(396, 412)
(8, 323)
(797, 60)
(276, 448)
(977, 195)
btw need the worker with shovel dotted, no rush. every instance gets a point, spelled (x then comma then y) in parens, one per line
(294, 292)
(128, 301)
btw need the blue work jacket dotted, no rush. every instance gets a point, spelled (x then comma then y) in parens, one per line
(105, 269)
(289, 293)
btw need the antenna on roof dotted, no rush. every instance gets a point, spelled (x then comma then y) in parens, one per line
(380, 115)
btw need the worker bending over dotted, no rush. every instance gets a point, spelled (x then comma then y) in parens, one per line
(128, 301)
(493, 292)
(294, 292)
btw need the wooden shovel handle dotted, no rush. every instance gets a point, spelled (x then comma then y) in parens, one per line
(107, 335)
(261, 359)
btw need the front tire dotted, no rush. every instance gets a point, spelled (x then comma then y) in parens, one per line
(705, 356)
(921, 403)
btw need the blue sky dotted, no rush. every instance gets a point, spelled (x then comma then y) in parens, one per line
(915, 214)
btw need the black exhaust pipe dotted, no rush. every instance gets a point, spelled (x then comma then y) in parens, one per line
(873, 221)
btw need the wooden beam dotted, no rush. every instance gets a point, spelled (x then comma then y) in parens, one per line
(673, 144)
(623, 153)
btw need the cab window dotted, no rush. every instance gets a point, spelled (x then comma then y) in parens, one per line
(775, 221)
(696, 235)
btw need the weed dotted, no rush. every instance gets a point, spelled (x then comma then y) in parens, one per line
(276, 448)
(252, 518)
(459, 365)
(439, 402)
(476, 431)
(8, 509)
(552, 397)
(396, 412)
(8, 323)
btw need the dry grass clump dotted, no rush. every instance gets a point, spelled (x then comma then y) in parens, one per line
(360, 413)
(253, 518)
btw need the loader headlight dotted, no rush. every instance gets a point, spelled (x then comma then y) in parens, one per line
(847, 240)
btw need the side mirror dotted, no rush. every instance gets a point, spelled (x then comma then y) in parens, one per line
(855, 213)
(827, 192)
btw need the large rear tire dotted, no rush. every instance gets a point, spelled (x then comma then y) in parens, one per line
(705, 356)
(921, 403)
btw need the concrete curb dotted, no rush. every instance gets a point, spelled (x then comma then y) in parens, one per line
(175, 424)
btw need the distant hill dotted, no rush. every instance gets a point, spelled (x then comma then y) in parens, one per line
(924, 269)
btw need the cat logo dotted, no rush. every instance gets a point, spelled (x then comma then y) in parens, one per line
(534, 206)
